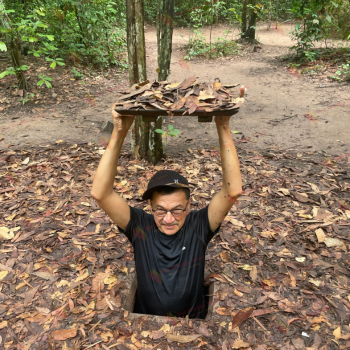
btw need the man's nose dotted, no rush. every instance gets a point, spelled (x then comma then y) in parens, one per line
(168, 218)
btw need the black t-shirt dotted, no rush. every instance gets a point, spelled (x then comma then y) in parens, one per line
(170, 268)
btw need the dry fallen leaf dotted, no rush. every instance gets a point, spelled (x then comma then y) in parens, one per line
(333, 242)
(223, 311)
(253, 273)
(337, 333)
(239, 344)
(182, 338)
(320, 235)
(241, 316)
(63, 334)
(3, 274)
(3, 324)
(110, 279)
(26, 161)
(82, 277)
(5, 233)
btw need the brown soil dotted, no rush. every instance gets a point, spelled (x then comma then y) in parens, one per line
(283, 108)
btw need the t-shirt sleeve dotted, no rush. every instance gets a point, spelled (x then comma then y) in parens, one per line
(201, 219)
(139, 219)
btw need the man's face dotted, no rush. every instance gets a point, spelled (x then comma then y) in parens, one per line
(170, 224)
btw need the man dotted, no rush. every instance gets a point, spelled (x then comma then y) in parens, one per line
(169, 244)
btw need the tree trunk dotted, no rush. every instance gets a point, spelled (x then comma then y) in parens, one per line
(137, 71)
(165, 27)
(16, 61)
(244, 18)
(249, 34)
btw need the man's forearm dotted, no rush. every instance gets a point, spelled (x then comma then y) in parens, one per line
(107, 169)
(232, 181)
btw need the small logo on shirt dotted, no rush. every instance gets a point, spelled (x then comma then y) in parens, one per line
(176, 181)
(155, 276)
(139, 233)
(183, 248)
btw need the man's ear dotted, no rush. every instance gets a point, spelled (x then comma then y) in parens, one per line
(189, 204)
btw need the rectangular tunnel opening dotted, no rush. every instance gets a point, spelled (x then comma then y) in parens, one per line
(129, 304)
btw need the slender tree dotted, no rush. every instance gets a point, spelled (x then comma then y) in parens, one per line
(145, 143)
(244, 18)
(137, 70)
(165, 26)
(249, 33)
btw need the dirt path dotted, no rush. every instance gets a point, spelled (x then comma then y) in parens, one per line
(283, 109)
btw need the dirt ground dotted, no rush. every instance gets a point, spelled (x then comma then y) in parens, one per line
(283, 108)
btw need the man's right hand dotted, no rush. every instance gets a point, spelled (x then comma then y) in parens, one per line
(122, 123)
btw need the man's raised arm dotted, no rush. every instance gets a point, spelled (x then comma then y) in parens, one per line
(231, 189)
(102, 188)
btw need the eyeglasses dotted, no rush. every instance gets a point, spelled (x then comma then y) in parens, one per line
(174, 212)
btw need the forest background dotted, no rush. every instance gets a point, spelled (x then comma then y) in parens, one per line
(93, 32)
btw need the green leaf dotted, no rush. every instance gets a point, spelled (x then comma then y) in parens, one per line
(48, 84)
(40, 13)
(6, 72)
(346, 36)
(50, 37)
(235, 132)
(170, 127)
(61, 63)
(53, 64)
(175, 132)
(40, 82)
(32, 39)
(159, 131)
(3, 46)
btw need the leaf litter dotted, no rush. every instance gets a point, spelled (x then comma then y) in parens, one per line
(280, 263)
(187, 97)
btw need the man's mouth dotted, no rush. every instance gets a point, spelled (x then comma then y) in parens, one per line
(169, 226)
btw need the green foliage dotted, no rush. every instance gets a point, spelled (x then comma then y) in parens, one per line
(87, 32)
(44, 79)
(53, 64)
(3, 46)
(197, 12)
(26, 98)
(77, 75)
(198, 47)
(343, 72)
(318, 20)
(171, 132)
(13, 71)
(90, 31)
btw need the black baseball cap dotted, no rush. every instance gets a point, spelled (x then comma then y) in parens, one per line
(165, 178)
